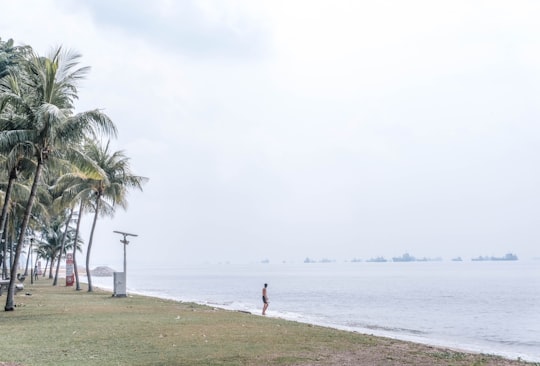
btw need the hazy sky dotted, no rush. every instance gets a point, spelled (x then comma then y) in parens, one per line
(322, 129)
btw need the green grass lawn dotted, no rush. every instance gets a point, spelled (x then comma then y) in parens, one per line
(60, 326)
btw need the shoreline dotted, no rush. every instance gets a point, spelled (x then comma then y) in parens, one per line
(441, 344)
(96, 328)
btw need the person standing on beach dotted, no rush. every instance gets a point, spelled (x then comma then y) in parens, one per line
(264, 299)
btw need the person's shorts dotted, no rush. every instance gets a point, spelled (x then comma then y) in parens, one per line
(264, 300)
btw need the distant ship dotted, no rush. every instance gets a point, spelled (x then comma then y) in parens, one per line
(457, 259)
(404, 258)
(324, 260)
(507, 257)
(378, 260)
(426, 259)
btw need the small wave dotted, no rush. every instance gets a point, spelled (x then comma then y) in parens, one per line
(393, 329)
(532, 344)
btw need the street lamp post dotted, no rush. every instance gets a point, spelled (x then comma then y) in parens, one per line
(125, 242)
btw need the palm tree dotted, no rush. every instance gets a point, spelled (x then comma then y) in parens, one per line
(47, 102)
(10, 55)
(48, 248)
(56, 242)
(14, 157)
(61, 208)
(77, 231)
(17, 155)
(111, 191)
(76, 188)
(16, 210)
(43, 252)
(62, 246)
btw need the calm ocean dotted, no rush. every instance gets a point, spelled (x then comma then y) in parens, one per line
(490, 307)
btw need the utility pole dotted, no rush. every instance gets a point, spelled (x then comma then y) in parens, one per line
(124, 241)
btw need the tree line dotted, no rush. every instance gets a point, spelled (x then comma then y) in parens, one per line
(56, 164)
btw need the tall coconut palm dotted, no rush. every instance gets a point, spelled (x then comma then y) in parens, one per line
(63, 246)
(16, 208)
(61, 208)
(74, 187)
(48, 105)
(111, 191)
(11, 58)
(80, 188)
(57, 240)
(17, 155)
(15, 198)
(49, 245)
(81, 202)
(77, 231)
(43, 252)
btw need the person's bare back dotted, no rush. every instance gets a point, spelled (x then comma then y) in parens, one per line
(265, 299)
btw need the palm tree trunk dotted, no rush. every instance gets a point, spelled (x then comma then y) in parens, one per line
(53, 258)
(77, 283)
(4, 257)
(3, 218)
(45, 268)
(10, 239)
(62, 247)
(88, 275)
(10, 298)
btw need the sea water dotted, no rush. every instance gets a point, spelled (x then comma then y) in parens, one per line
(490, 307)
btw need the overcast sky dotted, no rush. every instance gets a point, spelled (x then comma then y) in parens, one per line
(322, 129)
